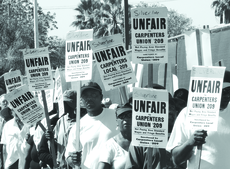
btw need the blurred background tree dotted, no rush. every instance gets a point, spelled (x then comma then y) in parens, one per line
(17, 32)
(222, 9)
(106, 17)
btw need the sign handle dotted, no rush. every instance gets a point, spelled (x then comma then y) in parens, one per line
(123, 94)
(42, 127)
(77, 86)
(49, 128)
(200, 61)
(150, 85)
(198, 156)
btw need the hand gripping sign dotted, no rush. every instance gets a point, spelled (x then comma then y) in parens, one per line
(25, 105)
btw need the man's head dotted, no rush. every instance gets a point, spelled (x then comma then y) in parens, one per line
(181, 94)
(91, 95)
(5, 111)
(3, 101)
(70, 98)
(124, 118)
(180, 98)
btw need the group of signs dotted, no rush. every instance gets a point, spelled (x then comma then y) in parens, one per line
(150, 106)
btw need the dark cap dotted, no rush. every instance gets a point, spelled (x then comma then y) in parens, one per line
(227, 76)
(155, 86)
(70, 97)
(6, 114)
(122, 109)
(91, 85)
(181, 94)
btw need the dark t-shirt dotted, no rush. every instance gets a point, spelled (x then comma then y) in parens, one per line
(138, 158)
(32, 158)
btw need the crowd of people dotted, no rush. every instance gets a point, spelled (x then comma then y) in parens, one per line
(105, 136)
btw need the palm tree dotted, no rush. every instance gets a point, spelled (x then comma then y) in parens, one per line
(112, 16)
(85, 19)
(222, 9)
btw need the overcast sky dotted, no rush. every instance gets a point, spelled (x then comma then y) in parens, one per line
(199, 11)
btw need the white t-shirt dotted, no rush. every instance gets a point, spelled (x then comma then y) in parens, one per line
(94, 132)
(215, 152)
(16, 146)
(113, 154)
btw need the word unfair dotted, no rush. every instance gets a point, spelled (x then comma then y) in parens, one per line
(110, 54)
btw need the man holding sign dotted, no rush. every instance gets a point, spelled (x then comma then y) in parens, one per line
(96, 127)
(215, 144)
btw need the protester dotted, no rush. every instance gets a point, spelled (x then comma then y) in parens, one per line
(32, 160)
(96, 127)
(5, 115)
(114, 153)
(61, 131)
(215, 144)
(65, 123)
(14, 137)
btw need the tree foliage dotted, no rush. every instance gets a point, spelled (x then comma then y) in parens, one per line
(17, 31)
(222, 9)
(105, 17)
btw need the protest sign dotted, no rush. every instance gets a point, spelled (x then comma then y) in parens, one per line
(25, 105)
(13, 80)
(204, 97)
(78, 62)
(112, 62)
(150, 118)
(38, 69)
(58, 95)
(149, 35)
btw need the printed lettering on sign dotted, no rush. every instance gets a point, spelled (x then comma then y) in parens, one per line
(149, 35)
(150, 118)
(78, 62)
(113, 62)
(204, 97)
(38, 69)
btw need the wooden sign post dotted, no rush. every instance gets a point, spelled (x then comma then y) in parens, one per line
(36, 45)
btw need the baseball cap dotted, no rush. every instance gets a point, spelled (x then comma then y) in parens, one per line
(6, 114)
(91, 85)
(70, 97)
(155, 86)
(122, 109)
(181, 95)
